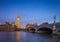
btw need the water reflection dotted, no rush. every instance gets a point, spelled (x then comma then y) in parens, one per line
(54, 38)
(18, 36)
(27, 37)
(12, 36)
(9, 36)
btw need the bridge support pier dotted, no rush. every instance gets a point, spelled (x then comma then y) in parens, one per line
(54, 30)
(35, 29)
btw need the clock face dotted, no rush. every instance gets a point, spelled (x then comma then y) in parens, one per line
(18, 19)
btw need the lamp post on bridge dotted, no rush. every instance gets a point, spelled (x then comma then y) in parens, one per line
(54, 25)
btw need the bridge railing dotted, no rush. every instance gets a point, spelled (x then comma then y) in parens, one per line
(57, 29)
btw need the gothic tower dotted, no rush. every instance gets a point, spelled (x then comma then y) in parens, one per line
(54, 25)
(18, 22)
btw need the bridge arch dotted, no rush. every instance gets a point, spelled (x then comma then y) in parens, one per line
(31, 29)
(46, 29)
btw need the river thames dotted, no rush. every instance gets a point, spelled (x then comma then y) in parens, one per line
(21, 36)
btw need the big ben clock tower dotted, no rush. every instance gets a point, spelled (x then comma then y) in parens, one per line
(18, 22)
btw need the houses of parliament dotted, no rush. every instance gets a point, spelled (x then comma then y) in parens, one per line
(11, 26)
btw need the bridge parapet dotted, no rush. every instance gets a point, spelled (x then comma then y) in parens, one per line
(57, 29)
(38, 27)
(46, 27)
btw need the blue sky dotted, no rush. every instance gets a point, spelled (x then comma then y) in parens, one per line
(30, 11)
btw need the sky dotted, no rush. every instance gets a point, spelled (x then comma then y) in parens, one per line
(30, 11)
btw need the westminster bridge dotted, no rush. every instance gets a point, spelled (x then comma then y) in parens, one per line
(44, 28)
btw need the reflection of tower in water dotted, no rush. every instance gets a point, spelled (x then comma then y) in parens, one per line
(18, 36)
(54, 38)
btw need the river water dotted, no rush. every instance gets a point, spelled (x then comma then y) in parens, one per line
(21, 36)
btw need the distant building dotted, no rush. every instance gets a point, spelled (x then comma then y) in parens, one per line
(12, 24)
(6, 23)
(27, 26)
(24, 26)
(18, 22)
(8, 27)
(35, 24)
(2, 28)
